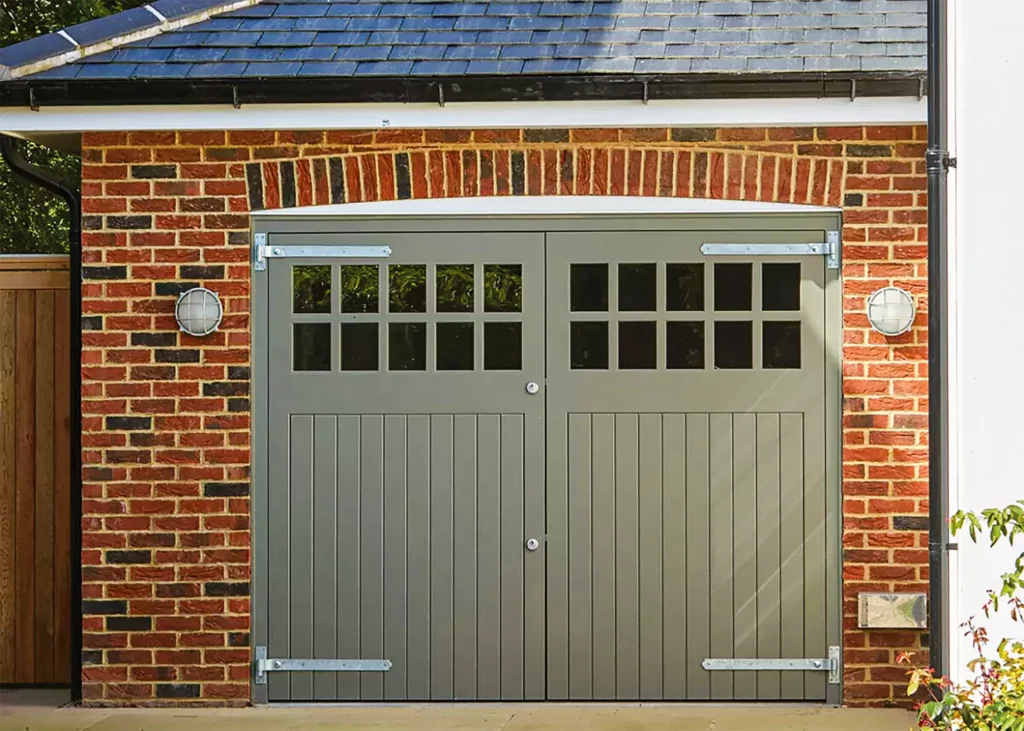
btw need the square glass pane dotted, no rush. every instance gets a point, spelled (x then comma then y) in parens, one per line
(311, 289)
(684, 345)
(588, 345)
(503, 288)
(780, 345)
(407, 287)
(359, 346)
(638, 287)
(454, 346)
(684, 287)
(733, 287)
(311, 346)
(638, 345)
(780, 286)
(503, 346)
(734, 344)
(588, 287)
(454, 286)
(407, 346)
(360, 288)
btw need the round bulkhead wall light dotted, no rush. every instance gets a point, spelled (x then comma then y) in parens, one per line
(891, 311)
(198, 311)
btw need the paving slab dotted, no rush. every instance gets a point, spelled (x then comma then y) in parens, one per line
(32, 714)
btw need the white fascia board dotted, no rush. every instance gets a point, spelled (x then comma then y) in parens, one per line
(542, 206)
(474, 115)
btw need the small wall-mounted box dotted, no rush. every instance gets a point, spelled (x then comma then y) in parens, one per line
(892, 611)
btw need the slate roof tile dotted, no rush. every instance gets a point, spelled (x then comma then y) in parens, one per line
(454, 37)
(254, 54)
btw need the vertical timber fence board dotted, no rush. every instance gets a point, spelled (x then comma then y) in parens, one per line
(35, 479)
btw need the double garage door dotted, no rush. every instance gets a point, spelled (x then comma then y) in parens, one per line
(549, 460)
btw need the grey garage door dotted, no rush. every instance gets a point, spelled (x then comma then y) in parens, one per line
(670, 463)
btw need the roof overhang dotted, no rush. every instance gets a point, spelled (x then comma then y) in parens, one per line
(807, 112)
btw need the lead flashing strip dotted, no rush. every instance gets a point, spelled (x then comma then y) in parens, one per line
(165, 26)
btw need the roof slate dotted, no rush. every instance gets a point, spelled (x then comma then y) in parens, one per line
(299, 38)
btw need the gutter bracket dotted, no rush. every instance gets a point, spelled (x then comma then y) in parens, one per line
(32, 103)
(938, 161)
(440, 94)
(853, 90)
(921, 86)
(647, 93)
(235, 101)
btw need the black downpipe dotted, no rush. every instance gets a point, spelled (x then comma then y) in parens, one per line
(48, 180)
(938, 164)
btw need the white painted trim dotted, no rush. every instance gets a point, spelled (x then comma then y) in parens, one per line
(67, 37)
(542, 206)
(474, 115)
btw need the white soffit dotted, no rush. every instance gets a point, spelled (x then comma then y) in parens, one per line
(474, 115)
(541, 206)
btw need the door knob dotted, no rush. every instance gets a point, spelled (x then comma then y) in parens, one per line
(532, 544)
(532, 387)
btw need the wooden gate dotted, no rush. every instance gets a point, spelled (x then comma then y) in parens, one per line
(35, 476)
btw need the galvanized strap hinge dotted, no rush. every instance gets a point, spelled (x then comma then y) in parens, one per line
(261, 252)
(262, 665)
(829, 249)
(830, 664)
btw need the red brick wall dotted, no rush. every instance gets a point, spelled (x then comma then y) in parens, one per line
(166, 416)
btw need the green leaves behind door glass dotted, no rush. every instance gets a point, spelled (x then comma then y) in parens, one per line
(311, 289)
(408, 288)
(360, 288)
(503, 288)
(454, 287)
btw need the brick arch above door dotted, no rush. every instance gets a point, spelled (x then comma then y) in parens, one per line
(476, 171)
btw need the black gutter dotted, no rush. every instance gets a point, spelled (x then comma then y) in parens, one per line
(562, 87)
(48, 180)
(938, 164)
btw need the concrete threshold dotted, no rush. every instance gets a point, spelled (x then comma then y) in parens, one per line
(460, 717)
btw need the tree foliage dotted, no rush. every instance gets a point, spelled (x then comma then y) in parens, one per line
(33, 220)
(992, 698)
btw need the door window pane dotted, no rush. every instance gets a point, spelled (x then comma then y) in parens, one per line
(503, 288)
(588, 287)
(638, 287)
(503, 346)
(733, 287)
(311, 346)
(734, 345)
(684, 287)
(638, 345)
(780, 345)
(588, 345)
(454, 285)
(359, 346)
(684, 345)
(408, 288)
(780, 286)
(407, 346)
(311, 289)
(360, 288)
(454, 346)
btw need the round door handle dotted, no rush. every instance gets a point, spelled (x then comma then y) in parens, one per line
(532, 544)
(532, 387)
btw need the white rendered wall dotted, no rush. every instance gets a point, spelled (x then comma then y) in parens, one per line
(986, 293)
